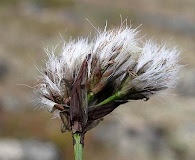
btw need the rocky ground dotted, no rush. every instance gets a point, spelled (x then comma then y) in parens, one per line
(161, 129)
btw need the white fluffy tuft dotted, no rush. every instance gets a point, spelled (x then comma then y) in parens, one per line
(153, 67)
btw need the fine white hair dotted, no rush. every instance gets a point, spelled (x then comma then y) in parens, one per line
(118, 53)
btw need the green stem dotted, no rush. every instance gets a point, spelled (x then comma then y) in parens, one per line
(116, 96)
(90, 96)
(78, 147)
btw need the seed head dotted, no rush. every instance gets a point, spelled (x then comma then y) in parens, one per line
(89, 79)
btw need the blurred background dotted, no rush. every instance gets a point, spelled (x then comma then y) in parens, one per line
(161, 129)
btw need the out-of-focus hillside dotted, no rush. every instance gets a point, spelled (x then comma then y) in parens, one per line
(160, 129)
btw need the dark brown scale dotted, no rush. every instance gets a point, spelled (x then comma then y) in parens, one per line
(138, 96)
(123, 62)
(110, 62)
(95, 72)
(132, 74)
(55, 96)
(66, 100)
(107, 73)
(66, 121)
(144, 67)
(142, 94)
(78, 102)
(98, 112)
(117, 48)
(117, 51)
(96, 75)
(105, 91)
(91, 124)
(98, 87)
(58, 99)
(93, 62)
(59, 107)
(65, 88)
(48, 97)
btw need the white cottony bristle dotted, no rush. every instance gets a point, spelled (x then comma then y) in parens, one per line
(161, 66)
(48, 103)
(152, 66)
(107, 43)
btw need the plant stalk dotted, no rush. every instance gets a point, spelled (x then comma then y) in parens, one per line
(78, 147)
(116, 96)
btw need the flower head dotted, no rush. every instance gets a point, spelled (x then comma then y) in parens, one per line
(89, 79)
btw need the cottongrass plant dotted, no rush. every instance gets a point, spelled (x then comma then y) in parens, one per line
(90, 78)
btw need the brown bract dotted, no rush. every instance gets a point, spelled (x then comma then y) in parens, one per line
(79, 117)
